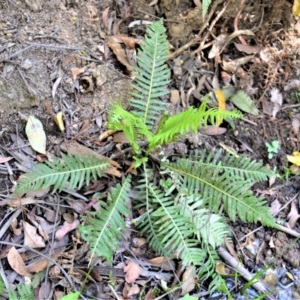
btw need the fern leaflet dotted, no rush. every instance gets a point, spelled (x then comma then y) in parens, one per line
(169, 229)
(104, 227)
(243, 167)
(152, 75)
(215, 186)
(71, 172)
(188, 120)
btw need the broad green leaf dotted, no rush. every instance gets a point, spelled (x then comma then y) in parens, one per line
(36, 134)
(244, 102)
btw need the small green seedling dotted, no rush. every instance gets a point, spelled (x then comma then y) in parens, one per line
(272, 148)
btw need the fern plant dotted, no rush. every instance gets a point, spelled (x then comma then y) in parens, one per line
(183, 219)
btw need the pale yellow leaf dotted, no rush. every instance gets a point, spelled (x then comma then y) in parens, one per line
(59, 121)
(295, 158)
(36, 134)
(296, 8)
(16, 262)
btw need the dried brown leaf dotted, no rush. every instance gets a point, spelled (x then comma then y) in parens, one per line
(293, 216)
(150, 295)
(14, 226)
(105, 17)
(119, 52)
(188, 279)
(247, 48)
(162, 262)
(31, 238)
(132, 271)
(75, 72)
(5, 159)
(16, 262)
(66, 228)
(212, 130)
(275, 207)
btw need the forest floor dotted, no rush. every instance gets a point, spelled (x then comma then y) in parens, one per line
(60, 56)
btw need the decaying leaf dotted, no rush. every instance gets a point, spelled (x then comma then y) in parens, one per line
(14, 226)
(5, 159)
(188, 279)
(75, 72)
(162, 262)
(293, 216)
(31, 238)
(275, 207)
(132, 271)
(16, 262)
(36, 134)
(119, 52)
(67, 227)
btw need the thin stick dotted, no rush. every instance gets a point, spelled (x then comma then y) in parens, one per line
(243, 271)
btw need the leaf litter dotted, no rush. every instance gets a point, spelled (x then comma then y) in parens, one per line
(46, 204)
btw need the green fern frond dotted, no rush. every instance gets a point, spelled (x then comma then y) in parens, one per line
(103, 229)
(71, 172)
(205, 6)
(210, 229)
(24, 292)
(152, 75)
(215, 186)
(243, 167)
(189, 120)
(169, 229)
(132, 125)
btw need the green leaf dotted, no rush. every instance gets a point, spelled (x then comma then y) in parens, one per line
(187, 121)
(244, 102)
(72, 296)
(72, 172)
(217, 185)
(103, 228)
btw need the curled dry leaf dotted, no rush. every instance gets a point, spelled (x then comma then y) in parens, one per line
(75, 72)
(188, 279)
(14, 227)
(31, 238)
(163, 263)
(16, 262)
(67, 227)
(275, 207)
(293, 216)
(119, 52)
(132, 271)
(247, 48)
(5, 159)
